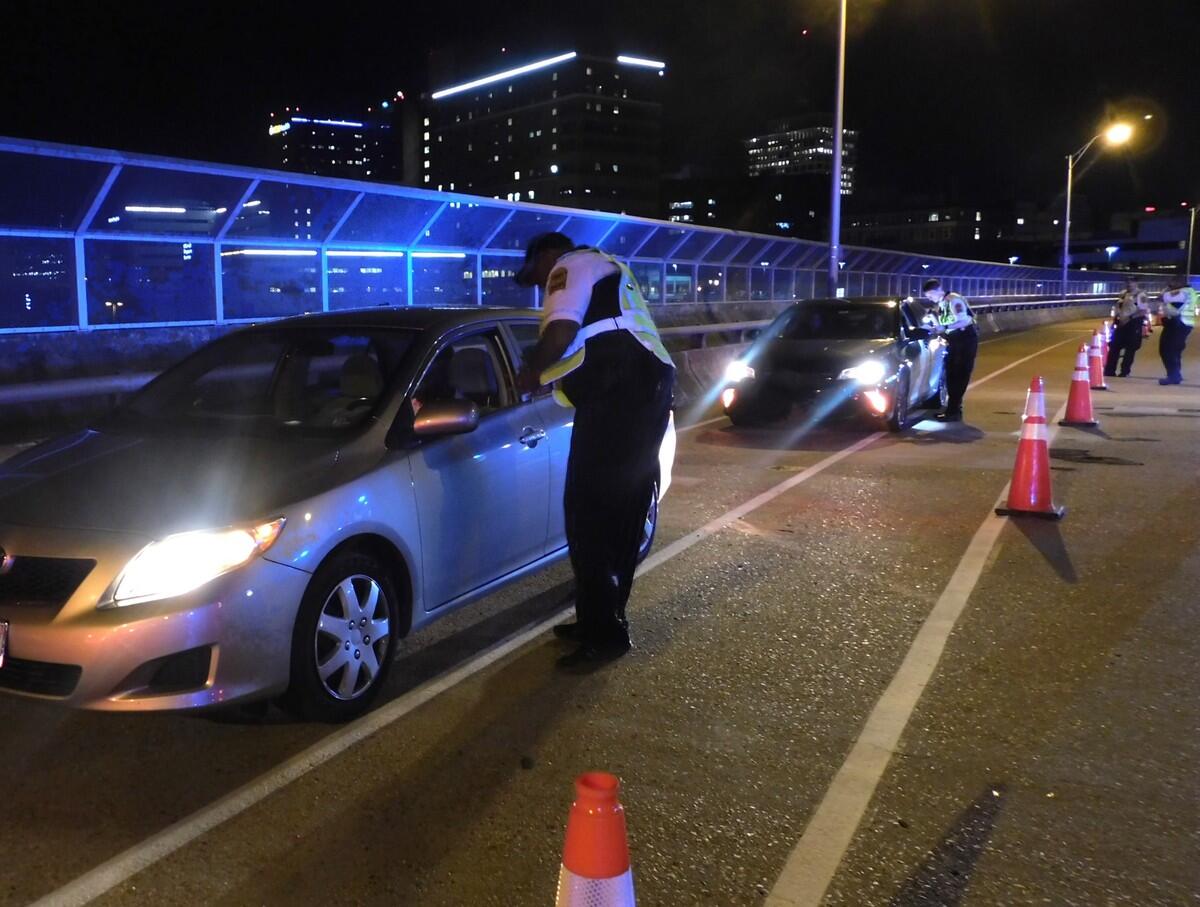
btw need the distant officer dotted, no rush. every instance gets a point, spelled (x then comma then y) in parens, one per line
(1178, 320)
(956, 322)
(601, 350)
(1131, 313)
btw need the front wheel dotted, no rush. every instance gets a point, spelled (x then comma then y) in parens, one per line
(898, 420)
(941, 397)
(344, 639)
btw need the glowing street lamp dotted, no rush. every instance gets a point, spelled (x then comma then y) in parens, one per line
(835, 202)
(1114, 135)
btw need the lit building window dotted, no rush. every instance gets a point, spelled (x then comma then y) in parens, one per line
(1020, 221)
(554, 168)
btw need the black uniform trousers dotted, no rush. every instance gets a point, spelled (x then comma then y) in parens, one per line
(1127, 339)
(1170, 348)
(961, 347)
(622, 396)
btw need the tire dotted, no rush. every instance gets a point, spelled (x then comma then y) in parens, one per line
(351, 595)
(742, 418)
(650, 527)
(941, 396)
(898, 420)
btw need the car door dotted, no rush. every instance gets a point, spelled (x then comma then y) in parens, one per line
(558, 422)
(481, 496)
(921, 364)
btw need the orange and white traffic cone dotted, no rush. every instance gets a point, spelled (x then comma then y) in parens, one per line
(1079, 401)
(595, 866)
(1096, 364)
(1104, 342)
(1147, 329)
(1029, 494)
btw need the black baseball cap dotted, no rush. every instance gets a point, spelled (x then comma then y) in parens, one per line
(536, 247)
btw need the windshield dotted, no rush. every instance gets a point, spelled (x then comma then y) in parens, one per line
(287, 381)
(839, 320)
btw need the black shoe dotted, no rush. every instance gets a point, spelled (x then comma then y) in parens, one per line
(1110, 375)
(1165, 381)
(590, 655)
(569, 632)
(1123, 375)
(950, 416)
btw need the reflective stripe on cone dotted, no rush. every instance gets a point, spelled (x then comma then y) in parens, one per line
(1096, 364)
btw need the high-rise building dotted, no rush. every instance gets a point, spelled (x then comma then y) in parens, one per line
(367, 146)
(574, 129)
(801, 146)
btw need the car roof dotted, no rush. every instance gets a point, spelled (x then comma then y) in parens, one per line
(435, 318)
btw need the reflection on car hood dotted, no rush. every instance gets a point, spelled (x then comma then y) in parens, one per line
(821, 356)
(157, 485)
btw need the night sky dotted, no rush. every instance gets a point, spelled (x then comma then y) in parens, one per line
(969, 101)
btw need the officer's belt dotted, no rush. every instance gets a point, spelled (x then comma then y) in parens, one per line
(603, 326)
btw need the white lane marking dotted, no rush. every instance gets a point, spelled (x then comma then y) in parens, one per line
(113, 872)
(1013, 365)
(815, 859)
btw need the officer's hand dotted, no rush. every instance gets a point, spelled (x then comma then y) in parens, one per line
(527, 380)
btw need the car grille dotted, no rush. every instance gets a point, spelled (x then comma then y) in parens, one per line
(46, 581)
(39, 677)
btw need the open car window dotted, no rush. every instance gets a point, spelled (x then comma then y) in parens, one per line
(306, 380)
(470, 368)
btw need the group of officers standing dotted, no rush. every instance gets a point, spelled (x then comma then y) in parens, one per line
(1132, 315)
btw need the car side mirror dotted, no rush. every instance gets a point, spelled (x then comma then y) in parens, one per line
(446, 417)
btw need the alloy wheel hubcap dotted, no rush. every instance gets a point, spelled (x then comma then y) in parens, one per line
(651, 522)
(352, 637)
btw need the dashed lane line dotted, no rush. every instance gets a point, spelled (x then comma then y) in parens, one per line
(127, 864)
(814, 861)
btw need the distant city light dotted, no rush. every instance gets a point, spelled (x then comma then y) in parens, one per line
(253, 203)
(641, 61)
(1013, 259)
(500, 76)
(1149, 209)
(277, 128)
(364, 253)
(1112, 250)
(153, 209)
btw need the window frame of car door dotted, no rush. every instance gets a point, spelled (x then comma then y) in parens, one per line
(516, 351)
(400, 433)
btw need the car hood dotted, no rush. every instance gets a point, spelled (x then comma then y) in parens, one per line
(822, 356)
(156, 485)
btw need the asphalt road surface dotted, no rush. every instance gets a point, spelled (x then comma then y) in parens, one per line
(851, 684)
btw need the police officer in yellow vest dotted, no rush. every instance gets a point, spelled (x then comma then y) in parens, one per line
(956, 322)
(601, 351)
(1178, 320)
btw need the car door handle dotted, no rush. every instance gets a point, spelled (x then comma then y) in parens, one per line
(531, 436)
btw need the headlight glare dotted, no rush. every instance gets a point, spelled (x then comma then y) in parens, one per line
(869, 372)
(180, 563)
(738, 371)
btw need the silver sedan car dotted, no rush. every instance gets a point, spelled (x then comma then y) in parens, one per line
(267, 518)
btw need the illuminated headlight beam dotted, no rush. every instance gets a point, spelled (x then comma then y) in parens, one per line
(501, 76)
(641, 61)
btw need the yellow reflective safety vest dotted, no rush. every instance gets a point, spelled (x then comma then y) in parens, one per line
(946, 309)
(634, 317)
(1186, 307)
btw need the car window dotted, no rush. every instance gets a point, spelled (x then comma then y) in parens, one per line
(470, 368)
(838, 321)
(277, 381)
(526, 334)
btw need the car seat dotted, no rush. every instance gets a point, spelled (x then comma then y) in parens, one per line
(473, 375)
(359, 387)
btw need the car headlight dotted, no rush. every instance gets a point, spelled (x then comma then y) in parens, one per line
(186, 561)
(738, 371)
(869, 372)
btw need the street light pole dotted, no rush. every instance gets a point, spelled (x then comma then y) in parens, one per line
(835, 192)
(1187, 266)
(1116, 134)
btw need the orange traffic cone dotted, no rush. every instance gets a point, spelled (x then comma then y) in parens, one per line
(595, 867)
(1029, 494)
(1147, 329)
(1079, 401)
(1096, 364)
(1104, 342)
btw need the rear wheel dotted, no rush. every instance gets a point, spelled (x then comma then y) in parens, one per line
(898, 420)
(344, 639)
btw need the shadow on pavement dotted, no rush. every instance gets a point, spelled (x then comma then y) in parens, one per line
(943, 878)
(1046, 537)
(929, 431)
(1094, 430)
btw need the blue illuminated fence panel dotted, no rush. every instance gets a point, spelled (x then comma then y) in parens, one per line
(47, 193)
(270, 283)
(100, 239)
(148, 282)
(37, 289)
(365, 277)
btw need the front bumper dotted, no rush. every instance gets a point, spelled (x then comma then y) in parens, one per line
(830, 397)
(227, 641)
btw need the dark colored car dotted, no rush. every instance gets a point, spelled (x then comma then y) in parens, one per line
(867, 356)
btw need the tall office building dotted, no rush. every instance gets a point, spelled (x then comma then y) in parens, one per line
(574, 129)
(367, 146)
(801, 146)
